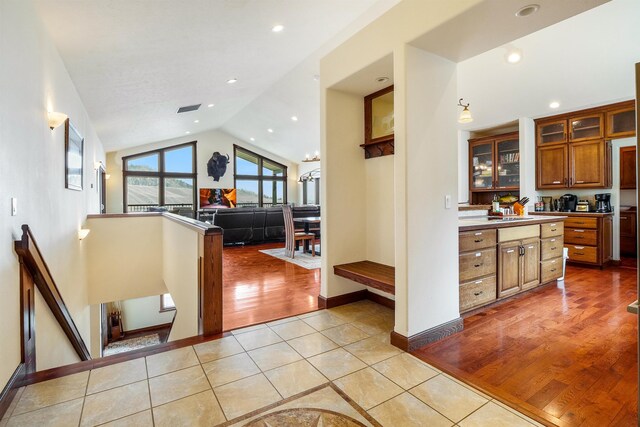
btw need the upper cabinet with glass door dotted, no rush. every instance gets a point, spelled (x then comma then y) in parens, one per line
(508, 162)
(552, 132)
(481, 165)
(621, 120)
(587, 127)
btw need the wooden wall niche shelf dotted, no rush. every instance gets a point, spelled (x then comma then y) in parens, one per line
(378, 124)
(573, 150)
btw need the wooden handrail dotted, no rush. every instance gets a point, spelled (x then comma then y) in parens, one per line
(32, 259)
(199, 226)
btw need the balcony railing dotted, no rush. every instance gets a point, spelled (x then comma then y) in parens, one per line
(170, 207)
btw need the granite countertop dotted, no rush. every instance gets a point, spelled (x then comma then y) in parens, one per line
(598, 214)
(484, 222)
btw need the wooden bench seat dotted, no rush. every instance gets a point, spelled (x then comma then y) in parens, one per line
(369, 273)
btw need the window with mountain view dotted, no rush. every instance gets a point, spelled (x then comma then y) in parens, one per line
(259, 181)
(161, 178)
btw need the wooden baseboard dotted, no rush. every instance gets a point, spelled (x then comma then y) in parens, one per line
(148, 329)
(10, 389)
(423, 338)
(353, 297)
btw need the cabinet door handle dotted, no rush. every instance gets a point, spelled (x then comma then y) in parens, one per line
(565, 182)
(552, 270)
(478, 240)
(570, 181)
(478, 293)
(478, 265)
(579, 253)
(554, 248)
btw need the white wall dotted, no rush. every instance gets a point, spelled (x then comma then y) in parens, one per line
(207, 143)
(33, 78)
(431, 175)
(141, 313)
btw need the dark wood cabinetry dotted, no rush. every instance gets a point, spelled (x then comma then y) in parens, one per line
(627, 168)
(518, 266)
(494, 165)
(574, 150)
(628, 233)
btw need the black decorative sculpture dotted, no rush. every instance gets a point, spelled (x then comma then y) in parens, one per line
(217, 165)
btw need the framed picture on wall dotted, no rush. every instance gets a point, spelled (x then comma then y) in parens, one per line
(379, 123)
(73, 160)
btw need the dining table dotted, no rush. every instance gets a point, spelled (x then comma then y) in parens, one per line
(307, 221)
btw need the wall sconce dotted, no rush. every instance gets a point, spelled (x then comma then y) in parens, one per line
(315, 158)
(84, 232)
(55, 119)
(465, 115)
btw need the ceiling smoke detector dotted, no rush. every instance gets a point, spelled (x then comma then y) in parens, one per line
(527, 10)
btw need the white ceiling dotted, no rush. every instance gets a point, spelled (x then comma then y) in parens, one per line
(134, 65)
(134, 62)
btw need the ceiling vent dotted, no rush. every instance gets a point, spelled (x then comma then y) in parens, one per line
(188, 108)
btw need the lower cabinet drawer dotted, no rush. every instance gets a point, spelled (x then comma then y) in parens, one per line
(551, 248)
(581, 236)
(580, 222)
(583, 253)
(550, 270)
(477, 264)
(478, 292)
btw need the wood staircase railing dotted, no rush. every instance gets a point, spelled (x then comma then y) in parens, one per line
(33, 269)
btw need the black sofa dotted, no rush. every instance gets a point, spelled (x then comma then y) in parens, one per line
(256, 225)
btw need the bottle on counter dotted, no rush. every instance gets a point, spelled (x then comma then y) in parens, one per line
(495, 206)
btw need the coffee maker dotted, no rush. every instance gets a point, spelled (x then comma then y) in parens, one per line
(603, 202)
(568, 203)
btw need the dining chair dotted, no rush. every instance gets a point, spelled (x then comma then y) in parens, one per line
(291, 237)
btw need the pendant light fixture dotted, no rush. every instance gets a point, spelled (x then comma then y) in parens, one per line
(465, 115)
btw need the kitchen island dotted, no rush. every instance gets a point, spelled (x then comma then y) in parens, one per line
(501, 257)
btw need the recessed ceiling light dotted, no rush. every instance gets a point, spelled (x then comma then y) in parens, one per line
(294, 118)
(554, 104)
(187, 132)
(277, 28)
(527, 10)
(196, 121)
(270, 130)
(382, 79)
(210, 105)
(232, 81)
(514, 56)
(252, 139)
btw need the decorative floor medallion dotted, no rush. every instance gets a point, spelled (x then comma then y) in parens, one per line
(304, 417)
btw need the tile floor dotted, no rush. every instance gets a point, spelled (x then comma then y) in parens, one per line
(313, 360)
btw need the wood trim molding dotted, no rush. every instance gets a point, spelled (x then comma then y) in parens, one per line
(88, 365)
(423, 338)
(149, 328)
(363, 294)
(29, 253)
(10, 389)
(210, 286)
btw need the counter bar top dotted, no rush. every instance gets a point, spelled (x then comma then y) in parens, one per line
(486, 222)
(595, 214)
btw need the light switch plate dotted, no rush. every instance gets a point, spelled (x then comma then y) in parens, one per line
(447, 202)
(14, 206)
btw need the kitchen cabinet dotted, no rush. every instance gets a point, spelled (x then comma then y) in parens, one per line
(621, 120)
(586, 127)
(494, 165)
(628, 233)
(519, 266)
(587, 236)
(573, 150)
(502, 261)
(477, 268)
(627, 168)
(587, 164)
